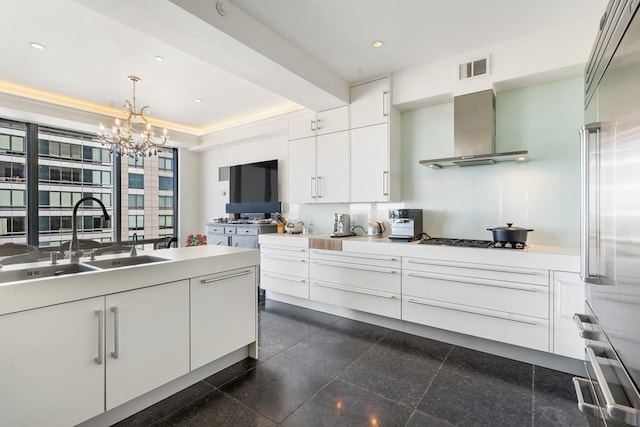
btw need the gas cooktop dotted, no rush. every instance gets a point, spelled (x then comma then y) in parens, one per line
(471, 243)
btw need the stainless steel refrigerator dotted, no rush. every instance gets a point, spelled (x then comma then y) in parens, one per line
(610, 243)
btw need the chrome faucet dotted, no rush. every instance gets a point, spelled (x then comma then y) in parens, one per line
(74, 251)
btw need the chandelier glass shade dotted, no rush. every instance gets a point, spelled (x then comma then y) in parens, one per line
(125, 139)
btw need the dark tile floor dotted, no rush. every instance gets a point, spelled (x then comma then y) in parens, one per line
(317, 369)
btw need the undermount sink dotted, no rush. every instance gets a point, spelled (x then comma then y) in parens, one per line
(39, 272)
(124, 261)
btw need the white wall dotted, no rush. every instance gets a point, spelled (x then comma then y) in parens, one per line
(214, 193)
(542, 194)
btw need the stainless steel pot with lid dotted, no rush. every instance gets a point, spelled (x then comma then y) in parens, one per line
(510, 234)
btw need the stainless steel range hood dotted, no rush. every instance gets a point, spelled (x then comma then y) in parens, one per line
(474, 119)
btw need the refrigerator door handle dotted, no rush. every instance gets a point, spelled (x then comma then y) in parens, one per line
(585, 133)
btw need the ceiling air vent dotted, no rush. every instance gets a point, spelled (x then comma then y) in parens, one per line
(475, 68)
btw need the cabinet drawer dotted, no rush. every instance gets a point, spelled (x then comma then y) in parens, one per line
(282, 264)
(230, 230)
(284, 284)
(483, 271)
(380, 303)
(498, 326)
(296, 251)
(509, 297)
(249, 231)
(379, 260)
(215, 229)
(382, 279)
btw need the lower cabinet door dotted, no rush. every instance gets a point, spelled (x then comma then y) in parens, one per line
(51, 371)
(362, 299)
(147, 343)
(285, 284)
(223, 314)
(524, 331)
(568, 299)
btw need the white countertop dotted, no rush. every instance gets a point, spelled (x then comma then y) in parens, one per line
(535, 256)
(180, 264)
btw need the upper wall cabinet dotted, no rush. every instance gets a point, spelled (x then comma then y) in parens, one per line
(370, 103)
(319, 162)
(374, 144)
(310, 124)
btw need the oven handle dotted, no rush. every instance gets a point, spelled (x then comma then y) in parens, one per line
(615, 411)
(584, 407)
(584, 319)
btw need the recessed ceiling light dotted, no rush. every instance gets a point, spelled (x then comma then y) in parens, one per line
(36, 45)
(159, 58)
(197, 101)
(377, 43)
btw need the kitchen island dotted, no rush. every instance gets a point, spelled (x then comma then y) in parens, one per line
(515, 303)
(96, 346)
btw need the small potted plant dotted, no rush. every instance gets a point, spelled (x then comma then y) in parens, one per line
(196, 240)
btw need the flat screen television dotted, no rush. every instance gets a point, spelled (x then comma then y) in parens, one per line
(253, 188)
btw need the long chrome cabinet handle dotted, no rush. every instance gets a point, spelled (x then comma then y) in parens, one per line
(282, 258)
(99, 360)
(584, 407)
(615, 410)
(314, 186)
(385, 183)
(581, 320)
(318, 187)
(472, 282)
(369, 257)
(498, 270)
(229, 276)
(585, 178)
(385, 103)
(283, 248)
(116, 332)
(447, 307)
(283, 277)
(354, 267)
(353, 290)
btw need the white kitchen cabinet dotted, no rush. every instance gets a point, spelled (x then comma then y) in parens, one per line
(370, 103)
(49, 375)
(370, 172)
(568, 299)
(69, 362)
(147, 336)
(285, 269)
(319, 169)
(500, 303)
(308, 123)
(364, 282)
(216, 300)
(374, 135)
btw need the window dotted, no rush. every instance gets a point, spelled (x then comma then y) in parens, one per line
(165, 183)
(165, 164)
(166, 221)
(72, 165)
(136, 180)
(10, 198)
(136, 162)
(136, 222)
(166, 202)
(136, 201)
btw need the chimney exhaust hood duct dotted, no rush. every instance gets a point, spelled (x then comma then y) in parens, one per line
(474, 119)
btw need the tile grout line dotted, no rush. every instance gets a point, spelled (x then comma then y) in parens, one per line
(335, 377)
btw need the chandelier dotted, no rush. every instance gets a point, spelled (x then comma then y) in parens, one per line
(125, 139)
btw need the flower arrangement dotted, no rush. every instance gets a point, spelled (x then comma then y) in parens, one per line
(196, 240)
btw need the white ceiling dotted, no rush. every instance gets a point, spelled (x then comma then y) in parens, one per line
(263, 58)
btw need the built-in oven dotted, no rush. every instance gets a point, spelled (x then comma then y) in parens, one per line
(607, 395)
